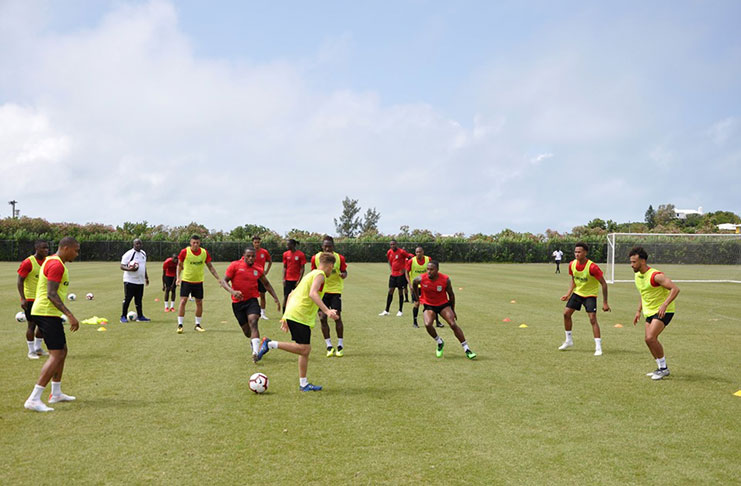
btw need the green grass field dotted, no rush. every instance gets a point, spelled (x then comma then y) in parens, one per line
(155, 407)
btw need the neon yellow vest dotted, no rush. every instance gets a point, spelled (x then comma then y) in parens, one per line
(42, 306)
(586, 284)
(32, 279)
(334, 283)
(193, 266)
(418, 269)
(300, 307)
(651, 297)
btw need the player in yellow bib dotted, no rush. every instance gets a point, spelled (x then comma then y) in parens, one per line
(191, 263)
(586, 280)
(300, 317)
(657, 303)
(28, 279)
(332, 297)
(47, 312)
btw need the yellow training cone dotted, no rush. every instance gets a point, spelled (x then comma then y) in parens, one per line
(738, 393)
(618, 325)
(523, 326)
(102, 329)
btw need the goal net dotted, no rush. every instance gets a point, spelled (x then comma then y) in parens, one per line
(683, 257)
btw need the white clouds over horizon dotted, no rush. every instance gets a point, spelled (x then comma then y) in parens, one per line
(124, 121)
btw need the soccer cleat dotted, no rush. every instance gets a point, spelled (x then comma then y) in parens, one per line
(263, 348)
(598, 352)
(439, 324)
(254, 357)
(470, 354)
(33, 355)
(263, 316)
(37, 406)
(340, 352)
(414, 324)
(61, 398)
(199, 328)
(180, 329)
(384, 313)
(143, 319)
(124, 320)
(660, 374)
(330, 351)
(566, 345)
(651, 373)
(439, 352)
(42, 352)
(310, 387)
(399, 314)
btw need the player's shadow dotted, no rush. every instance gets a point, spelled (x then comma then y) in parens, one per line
(365, 391)
(116, 403)
(83, 356)
(699, 378)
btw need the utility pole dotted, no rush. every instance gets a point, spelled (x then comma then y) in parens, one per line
(12, 204)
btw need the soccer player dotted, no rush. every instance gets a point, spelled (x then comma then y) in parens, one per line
(417, 266)
(28, 278)
(557, 256)
(190, 278)
(397, 258)
(134, 266)
(46, 312)
(300, 316)
(332, 298)
(657, 303)
(169, 272)
(436, 293)
(294, 265)
(262, 260)
(244, 275)
(586, 278)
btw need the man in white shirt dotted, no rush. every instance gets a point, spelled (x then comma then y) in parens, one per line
(134, 266)
(558, 255)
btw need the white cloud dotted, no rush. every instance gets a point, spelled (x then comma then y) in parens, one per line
(722, 130)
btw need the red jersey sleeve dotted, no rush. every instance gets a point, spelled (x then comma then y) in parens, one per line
(208, 256)
(54, 271)
(571, 272)
(268, 258)
(302, 259)
(388, 255)
(409, 264)
(285, 258)
(654, 283)
(343, 264)
(595, 271)
(164, 264)
(230, 270)
(183, 254)
(25, 268)
(313, 262)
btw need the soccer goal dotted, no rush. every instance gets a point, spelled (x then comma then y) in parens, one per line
(712, 258)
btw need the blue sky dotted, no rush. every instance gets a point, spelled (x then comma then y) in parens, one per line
(472, 117)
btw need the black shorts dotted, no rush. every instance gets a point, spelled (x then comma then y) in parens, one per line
(170, 282)
(333, 301)
(300, 333)
(52, 330)
(194, 289)
(437, 309)
(288, 286)
(245, 308)
(666, 319)
(397, 282)
(260, 287)
(576, 301)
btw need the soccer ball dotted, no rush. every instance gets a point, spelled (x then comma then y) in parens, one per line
(89, 296)
(20, 317)
(71, 297)
(258, 383)
(134, 266)
(131, 316)
(64, 319)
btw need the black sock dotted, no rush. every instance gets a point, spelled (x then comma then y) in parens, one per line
(415, 313)
(389, 298)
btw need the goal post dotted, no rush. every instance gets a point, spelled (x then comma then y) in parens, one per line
(712, 258)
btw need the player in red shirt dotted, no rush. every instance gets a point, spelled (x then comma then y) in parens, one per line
(24, 270)
(169, 272)
(245, 275)
(436, 294)
(294, 263)
(262, 260)
(397, 258)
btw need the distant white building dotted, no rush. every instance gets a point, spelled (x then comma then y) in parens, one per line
(730, 227)
(683, 213)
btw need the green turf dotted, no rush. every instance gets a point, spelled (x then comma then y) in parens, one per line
(155, 407)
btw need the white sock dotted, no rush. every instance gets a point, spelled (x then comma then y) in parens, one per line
(198, 321)
(255, 345)
(303, 381)
(273, 345)
(661, 362)
(172, 304)
(262, 311)
(56, 388)
(166, 306)
(180, 320)
(339, 342)
(36, 393)
(465, 345)
(31, 346)
(329, 342)
(439, 340)
(568, 336)
(598, 343)
(38, 342)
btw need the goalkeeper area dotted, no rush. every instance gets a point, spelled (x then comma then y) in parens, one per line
(709, 258)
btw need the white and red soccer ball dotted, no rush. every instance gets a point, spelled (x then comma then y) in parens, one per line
(259, 383)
